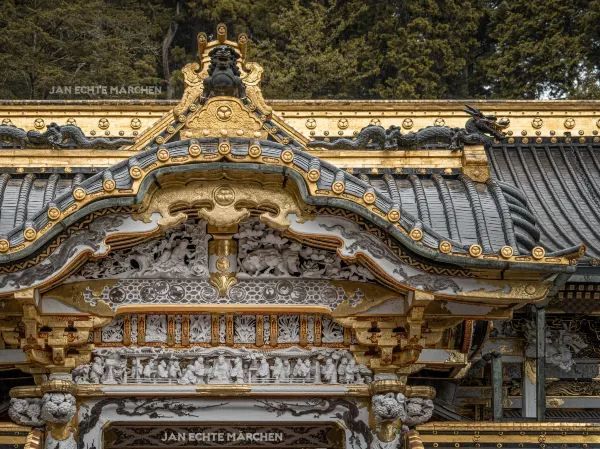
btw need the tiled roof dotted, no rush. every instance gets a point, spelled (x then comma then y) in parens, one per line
(561, 184)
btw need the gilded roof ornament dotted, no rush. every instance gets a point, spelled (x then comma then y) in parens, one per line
(221, 60)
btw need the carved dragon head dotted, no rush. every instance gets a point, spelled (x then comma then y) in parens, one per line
(487, 124)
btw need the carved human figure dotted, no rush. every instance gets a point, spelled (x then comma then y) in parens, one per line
(97, 370)
(110, 366)
(150, 369)
(277, 370)
(286, 371)
(162, 372)
(174, 369)
(262, 374)
(188, 376)
(81, 374)
(237, 373)
(341, 369)
(199, 370)
(302, 370)
(350, 372)
(137, 369)
(330, 371)
(221, 371)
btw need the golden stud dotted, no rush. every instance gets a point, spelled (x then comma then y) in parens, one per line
(171, 129)
(445, 247)
(538, 252)
(160, 139)
(506, 252)
(181, 118)
(194, 150)
(254, 150)
(79, 193)
(338, 187)
(314, 175)
(224, 148)
(29, 234)
(311, 123)
(135, 123)
(393, 215)
(53, 213)
(475, 250)
(416, 234)
(369, 197)
(135, 172)
(163, 155)
(287, 156)
(530, 289)
(4, 245)
(109, 185)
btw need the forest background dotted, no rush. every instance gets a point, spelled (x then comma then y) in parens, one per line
(414, 49)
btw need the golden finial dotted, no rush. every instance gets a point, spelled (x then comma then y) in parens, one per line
(202, 40)
(221, 33)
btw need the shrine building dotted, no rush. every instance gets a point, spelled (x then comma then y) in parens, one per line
(237, 272)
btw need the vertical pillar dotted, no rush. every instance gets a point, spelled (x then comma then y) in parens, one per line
(497, 399)
(540, 362)
(528, 389)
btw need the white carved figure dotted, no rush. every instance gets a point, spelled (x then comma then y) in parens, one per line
(561, 345)
(418, 411)
(277, 370)
(188, 377)
(263, 252)
(221, 371)
(81, 374)
(286, 372)
(237, 373)
(388, 407)
(199, 370)
(58, 407)
(162, 371)
(97, 370)
(174, 369)
(330, 371)
(156, 328)
(150, 369)
(221, 365)
(137, 369)
(182, 251)
(26, 411)
(351, 372)
(263, 372)
(341, 370)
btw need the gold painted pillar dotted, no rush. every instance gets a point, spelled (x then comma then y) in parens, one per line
(222, 257)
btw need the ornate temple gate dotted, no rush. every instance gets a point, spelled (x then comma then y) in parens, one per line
(224, 286)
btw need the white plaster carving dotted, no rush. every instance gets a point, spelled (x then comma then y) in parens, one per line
(288, 327)
(156, 328)
(26, 411)
(222, 329)
(246, 291)
(200, 329)
(332, 332)
(267, 329)
(410, 411)
(58, 407)
(113, 332)
(180, 252)
(263, 252)
(244, 327)
(221, 366)
(561, 345)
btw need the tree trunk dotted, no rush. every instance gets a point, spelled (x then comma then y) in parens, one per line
(166, 45)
